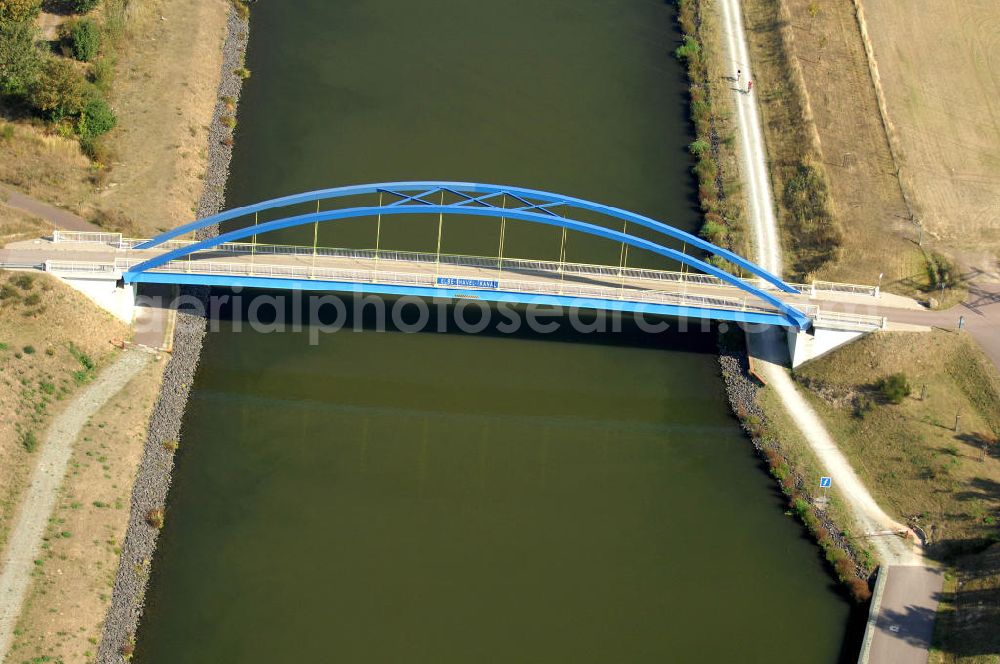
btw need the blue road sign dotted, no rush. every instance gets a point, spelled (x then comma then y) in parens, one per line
(467, 283)
(825, 482)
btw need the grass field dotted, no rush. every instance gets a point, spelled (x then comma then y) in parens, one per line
(820, 107)
(939, 65)
(919, 468)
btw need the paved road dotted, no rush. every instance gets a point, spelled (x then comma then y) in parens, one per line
(981, 311)
(905, 623)
(62, 219)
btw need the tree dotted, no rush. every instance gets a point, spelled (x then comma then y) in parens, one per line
(19, 11)
(60, 90)
(20, 61)
(85, 39)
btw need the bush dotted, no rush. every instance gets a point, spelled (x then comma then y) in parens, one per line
(940, 271)
(155, 518)
(242, 10)
(894, 388)
(859, 590)
(23, 281)
(80, 6)
(96, 119)
(60, 90)
(801, 507)
(85, 39)
(102, 74)
(20, 60)
(844, 567)
(688, 49)
(29, 350)
(33, 299)
(19, 11)
(713, 231)
(29, 441)
(699, 147)
(242, 72)
(862, 406)
(100, 153)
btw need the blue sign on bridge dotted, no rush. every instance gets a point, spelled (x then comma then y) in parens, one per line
(468, 283)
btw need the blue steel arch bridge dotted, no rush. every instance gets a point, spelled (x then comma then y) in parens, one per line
(237, 257)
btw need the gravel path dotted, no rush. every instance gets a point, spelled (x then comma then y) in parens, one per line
(26, 538)
(770, 347)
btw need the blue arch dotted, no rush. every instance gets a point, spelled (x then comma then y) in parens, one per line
(536, 212)
(478, 195)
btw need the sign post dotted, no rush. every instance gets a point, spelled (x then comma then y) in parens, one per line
(825, 483)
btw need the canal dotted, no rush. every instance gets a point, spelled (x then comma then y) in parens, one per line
(384, 496)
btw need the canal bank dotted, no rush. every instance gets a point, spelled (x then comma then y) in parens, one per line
(153, 476)
(667, 412)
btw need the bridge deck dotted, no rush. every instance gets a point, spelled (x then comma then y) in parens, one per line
(427, 274)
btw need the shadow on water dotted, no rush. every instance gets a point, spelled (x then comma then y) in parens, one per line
(277, 311)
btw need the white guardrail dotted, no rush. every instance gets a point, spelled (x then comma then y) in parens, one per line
(826, 319)
(513, 264)
(81, 267)
(87, 237)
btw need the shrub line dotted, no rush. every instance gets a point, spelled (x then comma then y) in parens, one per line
(851, 566)
(723, 223)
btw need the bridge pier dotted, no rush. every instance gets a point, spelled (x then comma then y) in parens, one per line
(817, 341)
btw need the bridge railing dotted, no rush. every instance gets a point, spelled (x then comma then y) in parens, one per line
(490, 262)
(389, 277)
(81, 267)
(849, 321)
(88, 237)
(853, 289)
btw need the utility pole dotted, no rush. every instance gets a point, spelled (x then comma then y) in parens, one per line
(923, 391)
(958, 418)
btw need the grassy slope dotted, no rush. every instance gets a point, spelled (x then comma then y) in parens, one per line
(16, 225)
(920, 468)
(64, 610)
(35, 385)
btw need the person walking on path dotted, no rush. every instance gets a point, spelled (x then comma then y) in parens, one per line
(739, 78)
(749, 86)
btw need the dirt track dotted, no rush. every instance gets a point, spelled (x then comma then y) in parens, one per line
(26, 537)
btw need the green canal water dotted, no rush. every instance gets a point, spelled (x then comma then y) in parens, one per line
(450, 497)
